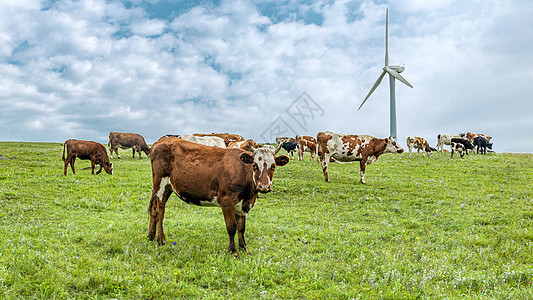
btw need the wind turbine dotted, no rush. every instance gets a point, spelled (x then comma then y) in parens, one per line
(394, 73)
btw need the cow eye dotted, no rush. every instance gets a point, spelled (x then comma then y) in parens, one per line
(256, 167)
(273, 167)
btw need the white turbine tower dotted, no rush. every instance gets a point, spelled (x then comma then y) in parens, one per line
(394, 73)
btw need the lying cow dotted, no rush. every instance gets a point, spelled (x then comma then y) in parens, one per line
(345, 148)
(290, 147)
(446, 139)
(86, 150)
(124, 140)
(415, 142)
(482, 144)
(213, 141)
(209, 176)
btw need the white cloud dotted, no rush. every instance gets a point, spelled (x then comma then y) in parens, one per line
(79, 69)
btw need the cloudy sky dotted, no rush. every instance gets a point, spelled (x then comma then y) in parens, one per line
(80, 69)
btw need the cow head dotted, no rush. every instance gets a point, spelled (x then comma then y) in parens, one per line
(392, 146)
(146, 150)
(263, 163)
(108, 167)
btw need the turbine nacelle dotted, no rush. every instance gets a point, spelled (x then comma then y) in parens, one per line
(398, 69)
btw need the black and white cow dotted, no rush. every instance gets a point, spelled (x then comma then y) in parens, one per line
(290, 147)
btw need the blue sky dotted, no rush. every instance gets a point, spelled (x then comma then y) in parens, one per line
(80, 69)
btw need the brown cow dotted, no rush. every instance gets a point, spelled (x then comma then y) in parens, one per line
(248, 145)
(228, 137)
(93, 151)
(471, 136)
(209, 176)
(127, 140)
(345, 148)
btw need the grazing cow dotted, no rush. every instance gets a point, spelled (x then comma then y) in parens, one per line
(446, 139)
(458, 147)
(470, 136)
(290, 147)
(247, 145)
(419, 144)
(345, 148)
(467, 145)
(306, 145)
(482, 143)
(127, 140)
(213, 141)
(227, 137)
(93, 151)
(209, 176)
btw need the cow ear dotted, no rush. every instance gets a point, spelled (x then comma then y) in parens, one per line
(282, 160)
(246, 158)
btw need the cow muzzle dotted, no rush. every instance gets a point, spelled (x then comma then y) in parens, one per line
(264, 188)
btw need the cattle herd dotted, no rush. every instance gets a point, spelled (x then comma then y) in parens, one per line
(227, 171)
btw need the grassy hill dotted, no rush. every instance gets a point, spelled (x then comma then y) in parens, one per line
(420, 228)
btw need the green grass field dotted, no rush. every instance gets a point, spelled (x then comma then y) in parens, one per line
(420, 228)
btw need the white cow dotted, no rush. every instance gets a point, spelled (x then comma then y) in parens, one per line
(446, 139)
(213, 141)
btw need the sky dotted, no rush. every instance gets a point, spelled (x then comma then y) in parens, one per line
(81, 69)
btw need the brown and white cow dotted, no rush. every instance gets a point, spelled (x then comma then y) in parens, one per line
(306, 144)
(227, 137)
(415, 142)
(209, 176)
(346, 148)
(88, 150)
(284, 139)
(125, 140)
(248, 145)
(471, 136)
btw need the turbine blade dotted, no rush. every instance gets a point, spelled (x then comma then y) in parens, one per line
(387, 39)
(397, 76)
(373, 88)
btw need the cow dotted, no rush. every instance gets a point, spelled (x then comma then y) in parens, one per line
(458, 147)
(471, 136)
(482, 143)
(467, 145)
(227, 137)
(247, 145)
(125, 140)
(282, 139)
(213, 141)
(209, 176)
(419, 144)
(445, 139)
(345, 148)
(86, 150)
(290, 147)
(306, 145)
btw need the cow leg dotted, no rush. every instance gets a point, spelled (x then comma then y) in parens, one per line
(325, 165)
(133, 152)
(72, 160)
(241, 227)
(231, 227)
(68, 160)
(161, 191)
(362, 167)
(116, 151)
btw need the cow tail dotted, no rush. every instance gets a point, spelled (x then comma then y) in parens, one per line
(64, 145)
(150, 204)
